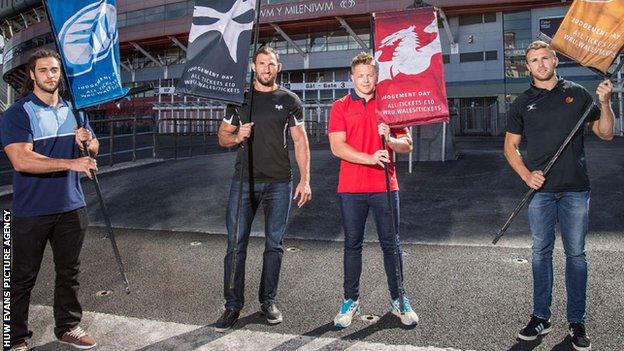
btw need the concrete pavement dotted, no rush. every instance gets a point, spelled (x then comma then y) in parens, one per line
(469, 294)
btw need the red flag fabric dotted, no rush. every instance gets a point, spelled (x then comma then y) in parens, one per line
(411, 88)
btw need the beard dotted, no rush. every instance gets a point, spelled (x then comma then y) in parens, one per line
(46, 88)
(266, 82)
(548, 76)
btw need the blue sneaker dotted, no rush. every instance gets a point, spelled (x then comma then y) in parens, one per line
(408, 316)
(348, 309)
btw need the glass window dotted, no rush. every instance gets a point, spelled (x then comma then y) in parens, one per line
(470, 19)
(296, 77)
(471, 56)
(342, 75)
(336, 43)
(522, 15)
(302, 43)
(517, 36)
(318, 44)
(154, 14)
(327, 94)
(491, 55)
(341, 92)
(154, 10)
(489, 17)
(515, 67)
(175, 10)
(280, 47)
(135, 17)
(446, 58)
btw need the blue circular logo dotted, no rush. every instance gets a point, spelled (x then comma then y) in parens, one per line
(88, 36)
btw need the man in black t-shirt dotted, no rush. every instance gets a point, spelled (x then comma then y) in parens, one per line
(545, 114)
(267, 181)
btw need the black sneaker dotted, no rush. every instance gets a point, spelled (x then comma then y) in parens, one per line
(535, 328)
(227, 320)
(580, 340)
(273, 315)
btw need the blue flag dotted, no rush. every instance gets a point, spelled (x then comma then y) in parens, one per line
(218, 51)
(86, 32)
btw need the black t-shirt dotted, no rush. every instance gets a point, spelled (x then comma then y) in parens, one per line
(273, 113)
(545, 118)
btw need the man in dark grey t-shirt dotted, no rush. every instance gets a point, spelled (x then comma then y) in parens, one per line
(267, 181)
(545, 114)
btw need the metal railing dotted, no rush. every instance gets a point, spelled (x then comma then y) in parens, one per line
(132, 138)
(114, 135)
(174, 128)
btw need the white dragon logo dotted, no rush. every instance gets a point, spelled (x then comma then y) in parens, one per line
(408, 57)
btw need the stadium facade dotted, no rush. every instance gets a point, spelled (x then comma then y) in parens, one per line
(483, 50)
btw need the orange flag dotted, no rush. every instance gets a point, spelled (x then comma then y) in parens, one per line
(592, 33)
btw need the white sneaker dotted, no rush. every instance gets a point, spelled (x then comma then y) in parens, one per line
(348, 309)
(407, 316)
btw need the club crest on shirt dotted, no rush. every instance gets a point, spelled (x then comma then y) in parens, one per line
(279, 107)
(531, 107)
(569, 100)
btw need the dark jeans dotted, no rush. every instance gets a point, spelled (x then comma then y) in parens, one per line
(66, 232)
(571, 210)
(354, 208)
(275, 198)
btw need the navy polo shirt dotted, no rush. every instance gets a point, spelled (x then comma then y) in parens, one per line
(51, 131)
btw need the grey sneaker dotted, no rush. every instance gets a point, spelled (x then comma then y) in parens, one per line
(271, 312)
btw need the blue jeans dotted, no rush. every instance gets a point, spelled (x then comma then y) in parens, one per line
(571, 210)
(275, 198)
(354, 208)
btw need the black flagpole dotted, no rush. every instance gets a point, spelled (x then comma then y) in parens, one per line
(552, 161)
(85, 152)
(398, 265)
(246, 153)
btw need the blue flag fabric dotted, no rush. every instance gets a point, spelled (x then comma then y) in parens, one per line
(218, 50)
(86, 32)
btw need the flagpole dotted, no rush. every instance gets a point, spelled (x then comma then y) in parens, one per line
(554, 159)
(398, 264)
(85, 152)
(246, 153)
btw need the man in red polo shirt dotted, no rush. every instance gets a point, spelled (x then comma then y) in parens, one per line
(354, 136)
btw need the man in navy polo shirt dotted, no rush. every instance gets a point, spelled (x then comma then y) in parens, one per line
(40, 136)
(545, 114)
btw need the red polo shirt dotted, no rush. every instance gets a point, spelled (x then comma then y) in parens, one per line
(358, 119)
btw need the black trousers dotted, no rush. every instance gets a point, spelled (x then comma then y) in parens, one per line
(65, 232)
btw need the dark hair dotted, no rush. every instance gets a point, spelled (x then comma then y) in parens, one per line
(29, 85)
(267, 50)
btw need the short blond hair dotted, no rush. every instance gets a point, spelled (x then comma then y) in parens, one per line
(363, 58)
(539, 44)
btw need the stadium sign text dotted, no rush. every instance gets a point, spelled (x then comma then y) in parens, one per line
(326, 8)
